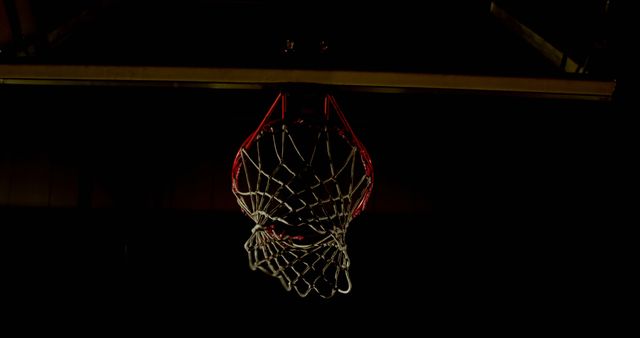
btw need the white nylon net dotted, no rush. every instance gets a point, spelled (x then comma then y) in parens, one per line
(302, 180)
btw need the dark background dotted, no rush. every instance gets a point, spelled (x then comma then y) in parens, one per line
(118, 210)
(116, 206)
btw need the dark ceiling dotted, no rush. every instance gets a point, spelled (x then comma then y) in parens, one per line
(436, 37)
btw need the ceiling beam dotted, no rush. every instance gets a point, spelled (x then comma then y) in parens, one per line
(246, 78)
(559, 58)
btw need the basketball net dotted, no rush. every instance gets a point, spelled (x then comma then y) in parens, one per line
(302, 176)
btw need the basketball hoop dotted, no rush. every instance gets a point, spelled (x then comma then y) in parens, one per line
(302, 176)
